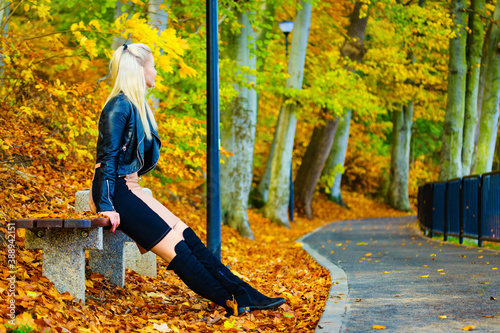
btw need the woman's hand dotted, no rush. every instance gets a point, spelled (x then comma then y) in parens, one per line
(114, 219)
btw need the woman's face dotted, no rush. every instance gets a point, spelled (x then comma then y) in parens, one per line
(150, 71)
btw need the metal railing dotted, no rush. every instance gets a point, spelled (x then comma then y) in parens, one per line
(467, 207)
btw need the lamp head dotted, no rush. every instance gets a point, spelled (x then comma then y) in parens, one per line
(286, 27)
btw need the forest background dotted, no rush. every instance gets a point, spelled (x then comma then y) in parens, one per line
(375, 96)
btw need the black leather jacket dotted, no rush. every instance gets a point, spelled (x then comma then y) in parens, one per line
(120, 148)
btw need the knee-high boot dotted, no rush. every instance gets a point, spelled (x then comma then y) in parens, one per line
(197, 278)
(246, 296)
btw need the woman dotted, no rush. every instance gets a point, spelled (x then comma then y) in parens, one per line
(128, 147)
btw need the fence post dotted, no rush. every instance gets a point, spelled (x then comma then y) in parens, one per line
(479, 213)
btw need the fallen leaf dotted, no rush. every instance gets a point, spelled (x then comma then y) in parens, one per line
(378, 327)
(424, 276)
(443, 317)
(396, 295)
(468, 328)
(26, 319)
(163, 327)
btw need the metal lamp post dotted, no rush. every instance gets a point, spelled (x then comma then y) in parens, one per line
(287, 27)
(213, 132)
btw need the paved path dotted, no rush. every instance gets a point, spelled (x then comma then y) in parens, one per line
(404, 281)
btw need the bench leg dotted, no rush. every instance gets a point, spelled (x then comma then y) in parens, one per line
(110, 262)
(105, 263)
(142, 264)
(64, 256)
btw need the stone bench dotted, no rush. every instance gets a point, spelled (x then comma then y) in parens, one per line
(119, 251)
(64, 241)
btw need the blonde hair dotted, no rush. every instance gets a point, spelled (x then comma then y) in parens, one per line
(127, 70)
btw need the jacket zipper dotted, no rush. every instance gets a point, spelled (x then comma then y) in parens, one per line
(107, 182)
(139, 155)
(146, 171)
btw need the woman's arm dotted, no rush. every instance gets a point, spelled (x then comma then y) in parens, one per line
(112, 124)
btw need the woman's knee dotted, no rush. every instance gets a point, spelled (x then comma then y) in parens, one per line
(166, 247)
(179, 227)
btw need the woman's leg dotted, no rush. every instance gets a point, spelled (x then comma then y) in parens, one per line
(175, 251)
(151, 225)
(246, 296)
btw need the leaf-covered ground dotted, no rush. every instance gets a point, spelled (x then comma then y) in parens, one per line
(274, 263)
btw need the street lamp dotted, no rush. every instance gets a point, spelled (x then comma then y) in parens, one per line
(286, 27)
(213, 132)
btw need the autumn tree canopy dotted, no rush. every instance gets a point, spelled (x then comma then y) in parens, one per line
(54, 67)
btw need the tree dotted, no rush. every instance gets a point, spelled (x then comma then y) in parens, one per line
(120, 9)
(321, 141)
(276, 206)
(238, 130)
(488, 122)
(312, 165)
(354, 50)
(246, 46)
(400, 151)
(451, 151)
(400, 155)
(336, 158)
(158, 19)
(4, 24)
(474, 53)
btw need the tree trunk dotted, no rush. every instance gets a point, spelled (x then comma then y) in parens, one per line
(4, 14)
(474, 52)
(260, 194)
(317, 153)
(480, 91)
(496, 158)
(488, 123)
(451, 151)
(239, 120)
(312, 165)
(336, 158)
(400, 152)
(400, 155)
(353, 49)
(158, 18)
(279, 187)
(118, 41)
